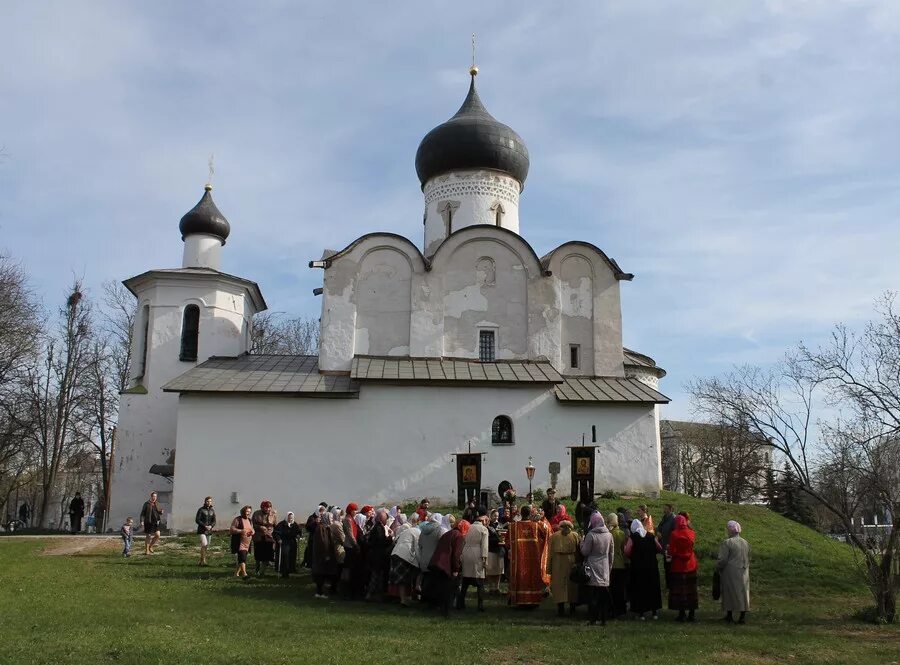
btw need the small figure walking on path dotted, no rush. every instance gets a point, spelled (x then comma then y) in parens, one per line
(127, 532)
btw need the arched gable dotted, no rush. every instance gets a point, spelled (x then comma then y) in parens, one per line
(485, 232)
(589, 251)
(371, 241)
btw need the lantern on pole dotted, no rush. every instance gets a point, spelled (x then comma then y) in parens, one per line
(529, 471)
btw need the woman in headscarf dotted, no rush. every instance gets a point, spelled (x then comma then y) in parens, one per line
(642, 549)
(618, 578)
(324, 563)
(264, 521)
(597, 550)
(682, 570)
(558, 517)
(400, 524)
(447, 523)
(379, 544)
(338, 538)
(474, 560)
(429, 534)
(563, 547)
(446, 564)
(734, 571)
(405, 560)
(352, 568)
(493, 571)
(286, 534)
(311, 522)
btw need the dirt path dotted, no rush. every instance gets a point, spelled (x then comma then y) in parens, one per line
(80, 545)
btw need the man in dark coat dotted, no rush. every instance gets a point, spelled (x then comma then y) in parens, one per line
(76, 512)
(24, 514)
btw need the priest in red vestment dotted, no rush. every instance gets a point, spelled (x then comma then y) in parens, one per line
(528, 549)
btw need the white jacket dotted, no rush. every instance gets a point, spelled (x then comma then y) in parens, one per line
(406, 546)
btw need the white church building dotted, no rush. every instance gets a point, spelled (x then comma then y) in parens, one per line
(470, 338)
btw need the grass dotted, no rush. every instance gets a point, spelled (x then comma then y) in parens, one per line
(99, 608)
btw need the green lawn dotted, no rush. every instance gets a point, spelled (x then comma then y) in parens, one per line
(100, 608)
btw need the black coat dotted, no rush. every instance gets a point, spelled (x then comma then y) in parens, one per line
(76, 507)
(379, 546)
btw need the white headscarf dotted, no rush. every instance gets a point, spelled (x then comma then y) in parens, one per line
(360, 520)
(289, 518)
(734, 528)
(445, 523)
(638, 528)
(336, 515)
(435, 517)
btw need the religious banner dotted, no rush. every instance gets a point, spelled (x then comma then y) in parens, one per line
(468, 477)
(582, 472)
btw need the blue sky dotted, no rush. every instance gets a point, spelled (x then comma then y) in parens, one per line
(741, 158)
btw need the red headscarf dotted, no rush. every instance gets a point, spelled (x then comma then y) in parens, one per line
(463, 527)
(561, 515)
(681, 547)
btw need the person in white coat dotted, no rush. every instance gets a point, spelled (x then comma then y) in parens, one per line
(405, 560)
(474, 560)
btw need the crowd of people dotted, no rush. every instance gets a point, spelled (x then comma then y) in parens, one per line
(608, 563)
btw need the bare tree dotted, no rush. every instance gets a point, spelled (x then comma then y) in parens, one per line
(859, 374)
(719, 461)
(106, 375)
(20, 331)
(273, 334)
(54, 390)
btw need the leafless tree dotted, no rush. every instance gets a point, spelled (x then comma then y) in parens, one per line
(20, 330)
(861, 374)
(106, 375)
(720, 461)
(857, 374)
(55, 387)
(273, 334)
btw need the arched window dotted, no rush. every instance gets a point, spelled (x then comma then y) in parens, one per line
(498, 211)
(502, 431)
(144, 341)
(190, 332)
(447, 211)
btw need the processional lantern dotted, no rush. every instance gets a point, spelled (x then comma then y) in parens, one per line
(529, 472)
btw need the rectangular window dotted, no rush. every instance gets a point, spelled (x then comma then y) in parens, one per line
(486, 346)
(574, 356)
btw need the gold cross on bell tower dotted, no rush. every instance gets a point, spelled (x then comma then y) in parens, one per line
(473, 70)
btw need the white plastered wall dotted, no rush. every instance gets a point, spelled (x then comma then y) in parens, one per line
(391, 444)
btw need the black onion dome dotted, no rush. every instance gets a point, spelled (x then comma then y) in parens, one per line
(472, 138)
(206, 218)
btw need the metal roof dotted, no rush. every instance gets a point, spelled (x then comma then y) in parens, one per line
(450, 370)
(635, 359)
(607, 389)
(286, 375)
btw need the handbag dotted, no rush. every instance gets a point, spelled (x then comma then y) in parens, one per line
(579, 574)
(716, 585)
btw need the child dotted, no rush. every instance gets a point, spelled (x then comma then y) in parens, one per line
(127, 532)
